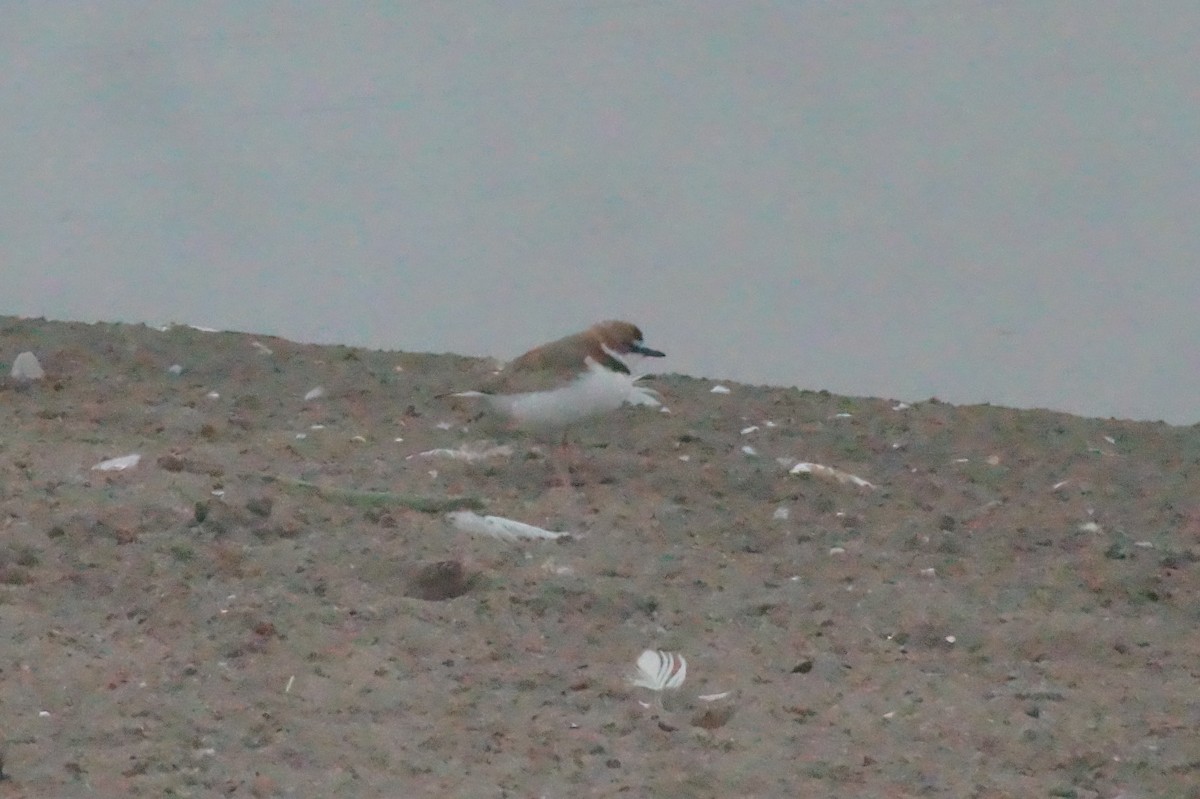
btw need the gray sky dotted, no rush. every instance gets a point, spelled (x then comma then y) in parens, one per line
(975, 200)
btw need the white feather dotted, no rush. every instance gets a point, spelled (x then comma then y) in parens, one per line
(500, 527)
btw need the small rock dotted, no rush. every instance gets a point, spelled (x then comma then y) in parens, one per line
(260, 506)
(439, 581)
(710, 718)
(26, 367)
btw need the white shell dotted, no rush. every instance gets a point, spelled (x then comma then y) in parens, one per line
(657, 670)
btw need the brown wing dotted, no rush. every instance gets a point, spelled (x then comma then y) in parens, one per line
(550, 365)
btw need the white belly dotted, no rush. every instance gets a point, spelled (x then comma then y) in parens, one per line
(597, 391)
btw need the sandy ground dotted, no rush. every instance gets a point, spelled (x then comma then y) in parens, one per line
(272, 602)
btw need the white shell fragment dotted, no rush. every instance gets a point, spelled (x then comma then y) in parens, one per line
(828, 472)
(658, 670)
(714, 697)
(26, 367)
(314, 393)
(118, 464)
(500, 527)
(720, 390)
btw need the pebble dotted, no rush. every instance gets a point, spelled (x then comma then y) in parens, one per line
(26, 367)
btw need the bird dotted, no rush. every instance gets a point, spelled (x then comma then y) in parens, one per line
(575, 377)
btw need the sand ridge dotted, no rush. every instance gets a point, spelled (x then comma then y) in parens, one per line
(273, 602)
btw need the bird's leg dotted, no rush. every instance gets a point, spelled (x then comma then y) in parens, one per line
(564, 465)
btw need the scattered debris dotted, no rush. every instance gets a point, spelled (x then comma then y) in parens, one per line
(314, 393)
(781, 514)
(26, 367)
(749, 452)
(661, 671)
(748, 430)
(263, 349)
(720, 390)
(819, 470)
(466, 452)
(551, 566)
(378, 498)
(715, 712)
(175, 369)
(500, 527)
(118, 464)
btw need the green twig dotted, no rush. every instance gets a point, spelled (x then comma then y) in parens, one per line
(373, 499)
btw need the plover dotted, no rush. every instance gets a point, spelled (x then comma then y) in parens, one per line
(581, 375)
